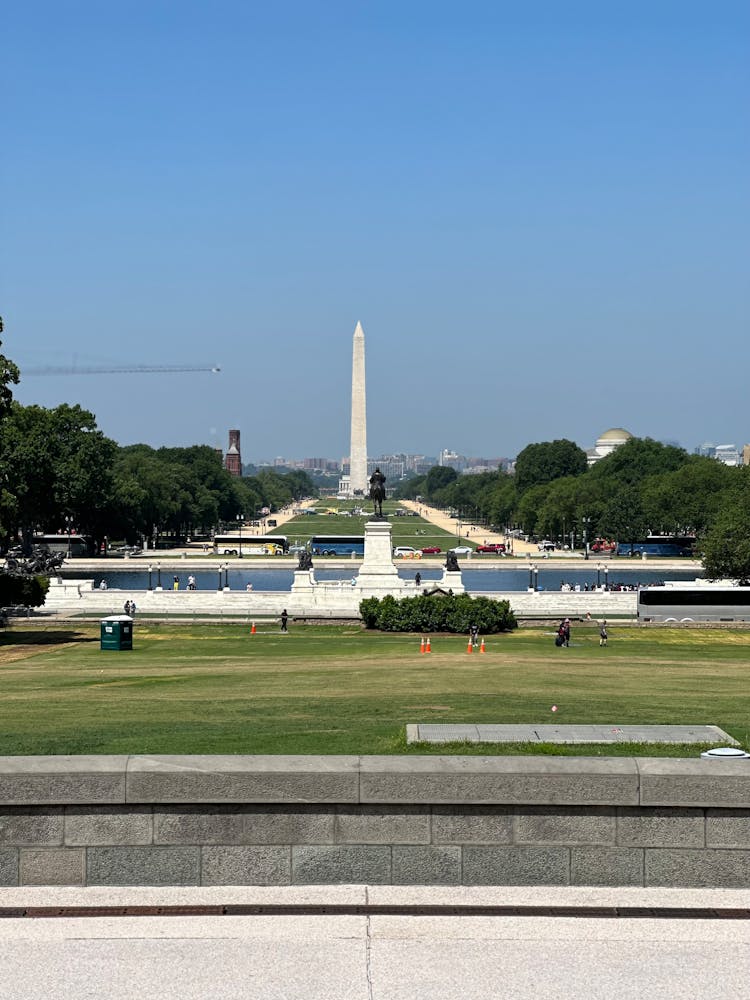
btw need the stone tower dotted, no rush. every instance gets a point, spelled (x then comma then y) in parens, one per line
(358, 450)
(233, 460)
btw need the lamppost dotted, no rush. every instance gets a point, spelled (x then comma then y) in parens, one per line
(599, 569)
(586, 521)
(240, 522)
(531, 577)
(158, 576)
(606, 577)
(536, 577)
(226, 576)
(218, 586)
(69, 528)
(150, 570)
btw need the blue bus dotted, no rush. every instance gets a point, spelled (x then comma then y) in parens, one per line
(666, 546)
(337, 545)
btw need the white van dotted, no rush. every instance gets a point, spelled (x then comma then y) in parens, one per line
(406, 552)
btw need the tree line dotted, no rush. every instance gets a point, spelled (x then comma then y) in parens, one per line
(58, 471)
(643, 487)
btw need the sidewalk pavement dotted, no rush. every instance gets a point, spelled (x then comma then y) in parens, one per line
(375, 957)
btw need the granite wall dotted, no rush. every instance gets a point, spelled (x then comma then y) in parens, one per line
(402, 820)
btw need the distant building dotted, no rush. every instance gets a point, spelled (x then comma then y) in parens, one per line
(728, 454)
(452, 459)
(746, 454)
(607, 443)
(233, 458)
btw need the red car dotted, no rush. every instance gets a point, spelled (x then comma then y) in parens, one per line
(431, 550)
(497, 547)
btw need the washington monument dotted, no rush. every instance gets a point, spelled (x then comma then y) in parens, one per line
(358, 482)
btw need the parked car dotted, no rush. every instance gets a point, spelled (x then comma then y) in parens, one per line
(461, 550)
(546, 546)
(497, 547)
(430, 550)
(406, 551)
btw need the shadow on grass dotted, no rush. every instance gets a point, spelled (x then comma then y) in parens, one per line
(56, 637)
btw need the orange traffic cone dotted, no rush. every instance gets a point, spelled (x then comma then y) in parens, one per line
(428, 648)
(421, 645)
(252, 630)
(481, 647)
(470, 647)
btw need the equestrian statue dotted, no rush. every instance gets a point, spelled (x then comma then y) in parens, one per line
(377, 492)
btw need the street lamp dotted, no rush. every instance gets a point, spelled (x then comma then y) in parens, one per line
(536, 577)
(586, 521)
(226, 576)
(158, 576)
(606, 577)
(218, 586)
(599, 569)
(150, 570)
(240, 522)
(69, 528)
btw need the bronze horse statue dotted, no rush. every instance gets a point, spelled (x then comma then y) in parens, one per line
(377, 492)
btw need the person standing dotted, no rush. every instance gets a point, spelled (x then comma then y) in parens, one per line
(284, 620)
(176, 583)
(603, 636)
(417, 578)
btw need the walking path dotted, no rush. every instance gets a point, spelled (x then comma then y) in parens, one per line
(475, 533)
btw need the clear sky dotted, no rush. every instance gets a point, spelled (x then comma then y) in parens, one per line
(539, 212)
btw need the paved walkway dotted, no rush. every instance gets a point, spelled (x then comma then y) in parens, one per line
(441, 733)
(383, 956)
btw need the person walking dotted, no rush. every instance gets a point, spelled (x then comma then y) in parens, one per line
(284, 620)
(603, 636)
(417, 578)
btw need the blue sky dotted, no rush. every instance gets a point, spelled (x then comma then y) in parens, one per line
(539, 213)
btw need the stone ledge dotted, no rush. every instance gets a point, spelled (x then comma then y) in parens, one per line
(374, 781)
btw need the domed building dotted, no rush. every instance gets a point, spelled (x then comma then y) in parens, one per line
(607, 443)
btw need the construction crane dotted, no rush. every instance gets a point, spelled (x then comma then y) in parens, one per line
(118, 369)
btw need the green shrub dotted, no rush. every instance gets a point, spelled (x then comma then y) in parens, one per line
(437, 613)
(30, 591)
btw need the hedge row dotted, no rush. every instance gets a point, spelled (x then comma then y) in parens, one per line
(437, 613)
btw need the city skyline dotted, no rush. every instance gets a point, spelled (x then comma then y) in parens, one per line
(539, 215)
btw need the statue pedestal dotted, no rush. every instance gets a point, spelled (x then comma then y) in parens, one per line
(451, 580)
(304, 579)
(377, 572)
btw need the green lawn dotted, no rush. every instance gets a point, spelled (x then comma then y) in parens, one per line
(336, 689)
(408, 530)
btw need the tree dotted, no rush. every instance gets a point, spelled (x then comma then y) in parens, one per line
(638, 459)
(8, 376)
(56, 463)
(438, 478)
(541, 463)
(726, 546)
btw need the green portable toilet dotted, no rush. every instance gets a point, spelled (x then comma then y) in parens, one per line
(117, 632)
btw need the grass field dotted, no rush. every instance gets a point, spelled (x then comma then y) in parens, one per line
(408, 530)
(336, 689)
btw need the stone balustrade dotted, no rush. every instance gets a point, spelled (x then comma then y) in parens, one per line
(275, 820)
